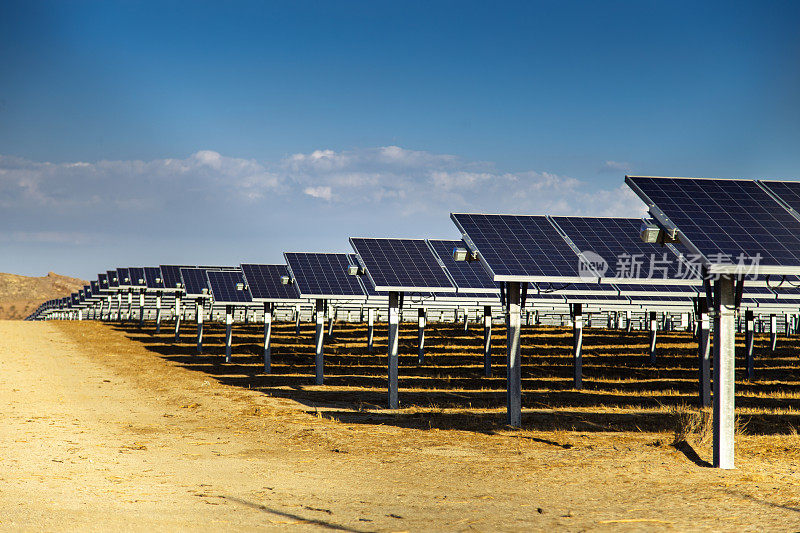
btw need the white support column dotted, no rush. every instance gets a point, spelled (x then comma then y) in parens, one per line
(628, 321)
(487, 340)
(199, 314)
(370, 328)
(724, 367)
(466, 319)
(653, 334)
(773, 331)
(129, 312)
(297, 310)
(80, 314)
(267, 338)
(319, 316)
(158, 313)
(228, 332)
(141, 309)
(119, 307)
(577, 345)
(513, 356)
(177, 317)
(421, 322)
(393, 342)
(749, 341)
(332, 315)
(704, 351)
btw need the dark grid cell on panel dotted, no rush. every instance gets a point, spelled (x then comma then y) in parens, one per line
(401, 264)
(95, 288)
(194, 281)
(171, 274)
(320, 274)
(467, 275)
(102, 280)
(617, 241)
(265, 282)
(726, 219)
(228, 286)
(113, 279)
(519, 246)
(152, 276)
(137, 276)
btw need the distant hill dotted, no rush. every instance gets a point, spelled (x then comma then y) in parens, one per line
(21, 295)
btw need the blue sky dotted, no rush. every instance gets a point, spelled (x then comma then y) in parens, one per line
(151, 132)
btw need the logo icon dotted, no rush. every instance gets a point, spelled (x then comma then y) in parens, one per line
(590, 265)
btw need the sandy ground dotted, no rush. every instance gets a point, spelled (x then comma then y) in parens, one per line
(98, 433)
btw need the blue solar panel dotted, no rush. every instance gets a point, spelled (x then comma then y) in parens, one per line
(195, 282)
(123, 277)
(724, 219)
(401, 264)
(137, 276)
(617, 241)
(152, 276)
(320, 275)
(519, 247)
(265, 282)
(95, 287)
(171, 274)
(228, 286)
(102, 280)
(113, 280)
(468, 276)
(788, 191)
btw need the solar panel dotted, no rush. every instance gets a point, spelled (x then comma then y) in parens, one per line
(152, 276)
(401, 265)
(95, 288)
(519, 247)
(788, 191)
(113, 280)
(195, 282)
(468, 276)
(228, 287)
(137, 276)
(171, 274)
(102, 280)
(617, 241)
(123, 277)
(265, 282)
(322, 275)
(725, 219)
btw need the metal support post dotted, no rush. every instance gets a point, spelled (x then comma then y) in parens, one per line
(749, 341)
(653, 330)
(487, 340)
(421, 321)
(704, 351)
(394, 324)
(228, 332)
(514, 355)
(724, 366)
(267, 337)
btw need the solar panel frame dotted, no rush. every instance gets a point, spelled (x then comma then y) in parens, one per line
(224, 287)
(721, 216)
(265, 284)
(102, 280)
(323, 276)
(407, 265)
(124, 278)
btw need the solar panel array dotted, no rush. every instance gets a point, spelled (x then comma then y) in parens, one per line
(401, 264)
(228, 286)
(113, 280)
(724, 219)
(265, 282)
(123, 277)
(322, 275)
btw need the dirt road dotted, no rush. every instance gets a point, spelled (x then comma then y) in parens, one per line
(98, 433)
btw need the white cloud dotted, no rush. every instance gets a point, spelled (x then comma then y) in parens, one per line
(319, 192)
(615, 166)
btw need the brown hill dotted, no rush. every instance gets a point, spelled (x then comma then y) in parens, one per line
(21, 295)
